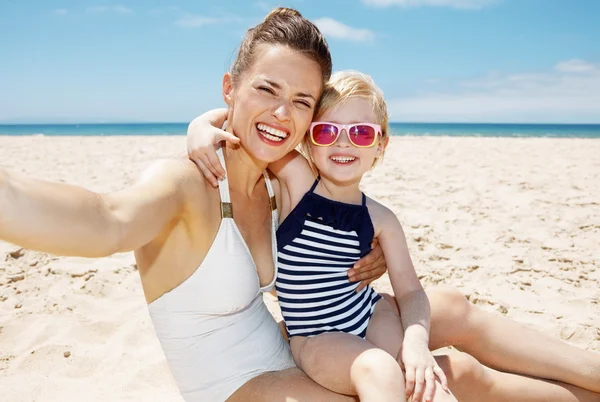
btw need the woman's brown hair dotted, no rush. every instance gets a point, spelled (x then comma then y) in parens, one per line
(286, 27)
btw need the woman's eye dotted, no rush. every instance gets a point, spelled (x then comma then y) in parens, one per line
(266, 89)
(303, 103)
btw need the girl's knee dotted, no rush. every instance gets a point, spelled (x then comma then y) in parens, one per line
(376, 366)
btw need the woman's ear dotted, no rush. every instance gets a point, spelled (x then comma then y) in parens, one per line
(228, 94)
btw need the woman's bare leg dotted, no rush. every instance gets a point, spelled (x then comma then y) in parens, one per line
(290, 385)
(492, 339)
(472, 382)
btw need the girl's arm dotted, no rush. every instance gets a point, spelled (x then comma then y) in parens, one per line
(419, 364)
(203, 134)
(68, 220)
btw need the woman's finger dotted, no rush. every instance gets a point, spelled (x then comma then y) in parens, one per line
(370, 258)
(441, 377)
(363, 284)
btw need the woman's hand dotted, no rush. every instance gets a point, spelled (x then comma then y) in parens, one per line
(203, 135)
(368, 268)
(421, 370)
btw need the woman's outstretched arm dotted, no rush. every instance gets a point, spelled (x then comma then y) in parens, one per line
(68, 220)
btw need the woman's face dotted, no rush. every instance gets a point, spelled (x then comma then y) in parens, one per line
(273, 101)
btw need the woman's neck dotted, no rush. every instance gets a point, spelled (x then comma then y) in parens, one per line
(243, 171)
(348, 192)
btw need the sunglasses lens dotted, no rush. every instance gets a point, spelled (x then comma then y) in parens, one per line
(324, 134)
(362, 136)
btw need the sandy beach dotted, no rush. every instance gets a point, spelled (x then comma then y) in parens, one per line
(514, 223)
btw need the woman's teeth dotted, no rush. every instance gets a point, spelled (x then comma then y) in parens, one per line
(343, 159)
(271, 133)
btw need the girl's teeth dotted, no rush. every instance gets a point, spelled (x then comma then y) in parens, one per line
(272, 131)
(343, 160)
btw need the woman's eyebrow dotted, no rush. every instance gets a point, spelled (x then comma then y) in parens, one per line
(300, 94)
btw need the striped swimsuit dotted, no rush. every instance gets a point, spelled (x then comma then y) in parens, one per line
(317, 244)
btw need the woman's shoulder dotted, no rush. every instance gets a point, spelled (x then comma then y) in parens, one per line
(181, 174)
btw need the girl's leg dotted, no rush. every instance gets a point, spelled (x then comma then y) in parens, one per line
(472, 382)
(350, 365)
(386, 332)
(506, 345)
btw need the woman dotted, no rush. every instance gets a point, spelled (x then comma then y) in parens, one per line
(201, 271)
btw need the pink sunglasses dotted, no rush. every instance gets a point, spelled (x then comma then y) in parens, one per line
(361, 135)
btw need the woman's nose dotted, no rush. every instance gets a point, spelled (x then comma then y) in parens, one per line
(282, 111)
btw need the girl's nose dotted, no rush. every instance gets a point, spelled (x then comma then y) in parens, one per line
(343, 140)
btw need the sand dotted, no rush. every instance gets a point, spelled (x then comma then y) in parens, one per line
(513, 223)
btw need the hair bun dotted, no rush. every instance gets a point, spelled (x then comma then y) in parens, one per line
(282, 12)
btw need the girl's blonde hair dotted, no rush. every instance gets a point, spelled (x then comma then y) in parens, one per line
(342, 86)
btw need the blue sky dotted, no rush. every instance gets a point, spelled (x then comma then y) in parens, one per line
(436, 60)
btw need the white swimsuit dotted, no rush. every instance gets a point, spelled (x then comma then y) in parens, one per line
(214, 328)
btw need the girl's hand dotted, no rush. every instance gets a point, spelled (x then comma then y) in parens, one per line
(368, 268)
(421, 370)
(203, 135)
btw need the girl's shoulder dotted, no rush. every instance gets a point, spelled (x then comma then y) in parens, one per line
(381, 216)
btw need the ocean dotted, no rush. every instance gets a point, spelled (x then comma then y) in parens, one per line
(397, 129)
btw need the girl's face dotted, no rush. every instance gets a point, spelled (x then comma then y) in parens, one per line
(342, 162)
(273, 101)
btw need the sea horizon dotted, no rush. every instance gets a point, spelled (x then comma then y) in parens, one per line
(551, 130)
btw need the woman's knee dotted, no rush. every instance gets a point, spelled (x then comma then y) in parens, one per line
(462, 369)
(449, 302)
(451, 317)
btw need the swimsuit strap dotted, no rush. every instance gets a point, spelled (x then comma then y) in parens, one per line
(312, 189)
(226, 208)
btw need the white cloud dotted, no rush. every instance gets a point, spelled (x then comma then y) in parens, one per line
(335, 29)
(196, 21)
(465, 4)
(575, 66)
(117, 9)
(61, 11)
(570, 93)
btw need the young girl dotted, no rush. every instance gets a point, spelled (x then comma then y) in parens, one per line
(350, 341)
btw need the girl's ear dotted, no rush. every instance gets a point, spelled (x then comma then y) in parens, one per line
(382, 145)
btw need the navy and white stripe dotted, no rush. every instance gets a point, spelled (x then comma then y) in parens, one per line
(312, 283)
